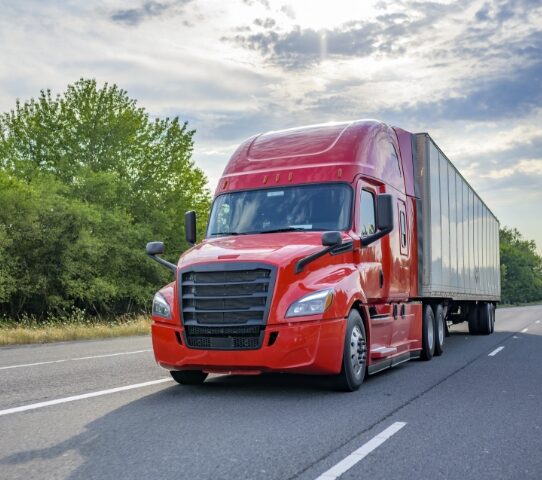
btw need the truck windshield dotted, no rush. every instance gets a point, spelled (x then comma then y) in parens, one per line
(296, 208)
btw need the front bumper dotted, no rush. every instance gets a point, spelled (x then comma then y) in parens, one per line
(308, 348)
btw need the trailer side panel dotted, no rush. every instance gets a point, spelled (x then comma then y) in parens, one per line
(460, 236)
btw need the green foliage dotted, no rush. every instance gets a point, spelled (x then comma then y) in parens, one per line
(86, 179)
(521, 268)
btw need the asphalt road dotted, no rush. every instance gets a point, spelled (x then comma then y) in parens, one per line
(467, 414)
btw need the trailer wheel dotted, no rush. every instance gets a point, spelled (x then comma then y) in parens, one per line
(485, 319)
(428, 333)
(354, 361)
(188, 377)
(492, 317)
(440, 330)
(474, 326)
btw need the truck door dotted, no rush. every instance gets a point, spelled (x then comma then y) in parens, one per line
(372, 278)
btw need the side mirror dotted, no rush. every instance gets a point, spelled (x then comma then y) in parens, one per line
(190, 227)
(384, 219)
(157, 248)
(384, 212)
(330, 239)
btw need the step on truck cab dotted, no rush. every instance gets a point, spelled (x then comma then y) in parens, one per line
(339, 249)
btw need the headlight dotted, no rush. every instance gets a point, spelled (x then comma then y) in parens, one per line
(160, 307)
(312, 304)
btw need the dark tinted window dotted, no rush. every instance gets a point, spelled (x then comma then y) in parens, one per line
(367, 213)
(395, 158)
(306, 207)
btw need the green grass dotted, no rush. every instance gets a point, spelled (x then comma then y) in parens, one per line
(30, 330)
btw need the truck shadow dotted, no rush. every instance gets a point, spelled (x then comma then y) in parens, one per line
(228, 421)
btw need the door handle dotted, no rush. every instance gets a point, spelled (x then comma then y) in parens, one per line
(381, 278)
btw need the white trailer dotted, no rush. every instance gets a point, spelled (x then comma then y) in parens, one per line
(458, 236)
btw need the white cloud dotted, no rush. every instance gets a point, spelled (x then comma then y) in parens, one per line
(471, 76)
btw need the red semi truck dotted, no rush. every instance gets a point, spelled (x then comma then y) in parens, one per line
(340, 249)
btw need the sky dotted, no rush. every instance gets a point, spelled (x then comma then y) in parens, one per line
(468, 72)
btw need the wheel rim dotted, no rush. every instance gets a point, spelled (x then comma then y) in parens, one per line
(440, 328)
(430, 333)
(358, 351)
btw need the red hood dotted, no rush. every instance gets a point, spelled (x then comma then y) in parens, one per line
(274, 248)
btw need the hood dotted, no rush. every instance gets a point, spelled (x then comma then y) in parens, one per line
(279, 249)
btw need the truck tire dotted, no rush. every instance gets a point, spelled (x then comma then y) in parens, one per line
(428, 333)
(492, 317)
(472, 317)
(354, 362)
(440, 329)
(485, 318)
(188, 377)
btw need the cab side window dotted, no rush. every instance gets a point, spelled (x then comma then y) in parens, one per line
(367, 221)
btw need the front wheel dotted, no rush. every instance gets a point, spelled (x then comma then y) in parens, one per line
(188, 377)
(354, 355)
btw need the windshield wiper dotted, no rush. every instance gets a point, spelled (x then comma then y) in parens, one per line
(287, 229)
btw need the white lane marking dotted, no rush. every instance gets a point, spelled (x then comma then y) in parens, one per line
(74, 359)
(494, 352)
(538, 321)
(34, 406)
(524, 330)
(348, 462)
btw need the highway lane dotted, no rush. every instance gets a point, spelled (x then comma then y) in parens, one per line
(467, 415)
(30, 384)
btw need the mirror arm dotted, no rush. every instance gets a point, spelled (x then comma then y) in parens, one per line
(310, 258)
(366, 241)
(165, 263)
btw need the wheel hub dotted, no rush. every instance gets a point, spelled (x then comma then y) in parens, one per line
(358, 351)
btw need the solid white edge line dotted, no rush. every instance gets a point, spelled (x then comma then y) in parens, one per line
(348, 462)
(524, 330)
(34, 406)
(494, 352)
(49, 362)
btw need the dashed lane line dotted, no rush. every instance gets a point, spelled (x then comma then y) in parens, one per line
(494, 352)
(348, 462)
